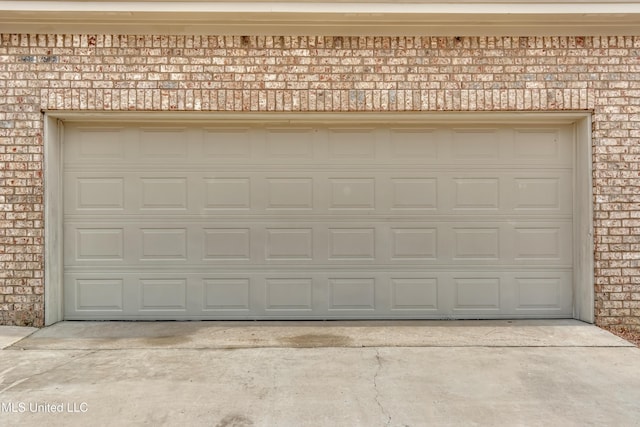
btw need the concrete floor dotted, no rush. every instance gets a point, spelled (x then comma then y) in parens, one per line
(528, 373)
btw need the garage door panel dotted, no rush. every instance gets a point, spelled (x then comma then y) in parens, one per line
(99, 295)
(543, 292)
(226, 295)
(414, 294)
(477, 294)
(549, 193)
(476, 243)
(226, 244)
(476, 144)
(94, 192)
(296, 144)
(418, 193)
(163, 144)
(240, 222)
(226, 144)
(510, 192)
(291, 193)
(289, 294)
(352, 145)
(322, 192)
(163, 193)
(549, 243)
(413, 145)
(105, 145)
(93, 244)
(348, 244)
(226, 193)
(289, 244)
(543, 146)
(159, 294)
(163, 244)
(476, 193)
(317, 294)
(352, 293)
(533, 146)
(90, 294)
(492, 146)
(419, 243)
(318, 242)
(352, 193)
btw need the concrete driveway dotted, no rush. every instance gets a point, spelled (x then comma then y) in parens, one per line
(401, 373)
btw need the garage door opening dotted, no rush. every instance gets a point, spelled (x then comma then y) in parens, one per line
(346, 218)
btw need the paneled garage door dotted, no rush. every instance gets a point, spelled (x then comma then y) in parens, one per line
(321, 222)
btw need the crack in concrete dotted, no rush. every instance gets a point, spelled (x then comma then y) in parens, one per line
(74, 358)
(15, 383)
(375, 387)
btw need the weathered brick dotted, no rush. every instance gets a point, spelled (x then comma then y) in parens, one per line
(619, 297)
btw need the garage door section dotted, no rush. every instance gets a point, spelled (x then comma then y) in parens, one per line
(320, 222)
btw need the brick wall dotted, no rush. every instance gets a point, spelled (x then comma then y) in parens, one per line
(248, 73)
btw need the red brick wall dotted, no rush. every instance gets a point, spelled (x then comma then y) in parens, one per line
(248, 73)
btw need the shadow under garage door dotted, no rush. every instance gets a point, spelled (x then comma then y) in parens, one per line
(310, 221)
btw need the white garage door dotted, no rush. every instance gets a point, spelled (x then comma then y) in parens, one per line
(326, 222)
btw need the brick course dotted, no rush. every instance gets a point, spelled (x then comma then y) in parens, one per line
(340, 74)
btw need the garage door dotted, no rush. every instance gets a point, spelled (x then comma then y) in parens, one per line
(178, 221)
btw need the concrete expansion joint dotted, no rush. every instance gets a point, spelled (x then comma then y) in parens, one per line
(375, 387)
